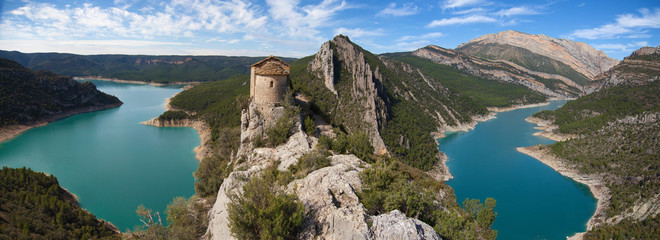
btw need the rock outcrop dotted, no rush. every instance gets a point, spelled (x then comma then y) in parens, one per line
(323, 66)
(579, 56)
(331, 196)
(395, 225)
(641, 67)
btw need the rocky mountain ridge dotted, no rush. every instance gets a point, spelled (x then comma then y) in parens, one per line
(641, 67)
(579, 56)
(500, 70)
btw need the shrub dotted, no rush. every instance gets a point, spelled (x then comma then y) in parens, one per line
(309, 125)
(308, 163)
(280, 132)
(263, 211)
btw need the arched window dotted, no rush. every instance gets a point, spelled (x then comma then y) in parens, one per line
(271, 84)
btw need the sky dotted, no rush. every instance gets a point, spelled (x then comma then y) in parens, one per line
(297, 28)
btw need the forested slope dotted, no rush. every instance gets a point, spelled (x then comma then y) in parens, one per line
(34, 206)
(27, 97)
(618, 131)
(156, 69)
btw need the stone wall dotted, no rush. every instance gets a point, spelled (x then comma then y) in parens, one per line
(269, 89)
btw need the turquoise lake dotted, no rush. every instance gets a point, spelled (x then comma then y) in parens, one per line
(111, 161)
(533, 201)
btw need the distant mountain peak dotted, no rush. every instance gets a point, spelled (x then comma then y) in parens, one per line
(578, 55)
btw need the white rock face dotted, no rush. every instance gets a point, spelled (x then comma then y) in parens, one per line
(323, 66)
(365, 88)
(395, 225)
(330, 194)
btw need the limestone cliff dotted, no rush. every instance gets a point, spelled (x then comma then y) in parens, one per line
(360, 91)
(500, 70)
(641, 67)
(370, 93)
(579, 56)
(329, 194)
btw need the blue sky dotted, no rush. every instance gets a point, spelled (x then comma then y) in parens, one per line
(297, 28)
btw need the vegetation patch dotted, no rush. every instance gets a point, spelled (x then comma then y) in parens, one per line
(389, 186)
(264, 211)
(592, 112)
(34, 206)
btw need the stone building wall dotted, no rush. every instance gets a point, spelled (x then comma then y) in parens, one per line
(269, 89)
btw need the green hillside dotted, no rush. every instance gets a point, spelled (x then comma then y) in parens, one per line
(618, 129)
(27, 96)
(592, 112)
(34, 206)
(485, 92)
(157, 69)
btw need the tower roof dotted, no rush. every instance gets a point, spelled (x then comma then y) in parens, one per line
(271, 66)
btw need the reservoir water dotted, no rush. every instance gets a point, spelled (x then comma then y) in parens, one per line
(111, 161)
(533, 201)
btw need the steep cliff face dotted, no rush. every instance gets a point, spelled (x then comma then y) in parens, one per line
(549, 84)
(392, 102)
(641, 67)
(577, 55)
(359, 88)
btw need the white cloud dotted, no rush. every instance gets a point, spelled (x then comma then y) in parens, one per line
(610, 47)
(426, 36)
(460, 3)
(626, 24)
(471, 10)
(304, 21)
(406, 9)
(176, 20)
(517, 11)
(461, 20)
(359, 32)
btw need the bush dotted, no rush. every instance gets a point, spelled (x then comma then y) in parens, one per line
(280, 132)
(385, 188)
(263, 211)
(308, 163)
(310, 126)
(394, 185)
(173, 115)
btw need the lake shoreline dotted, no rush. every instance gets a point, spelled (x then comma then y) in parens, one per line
(595, 183)
(441, 172)
(548, 130)
(514, 107)
(202, 128)
(136, 81)
(10, 132)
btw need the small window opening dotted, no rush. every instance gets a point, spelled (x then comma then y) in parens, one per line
(271, 83)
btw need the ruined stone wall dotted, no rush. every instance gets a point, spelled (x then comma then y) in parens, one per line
(269, 89)
(252, 77)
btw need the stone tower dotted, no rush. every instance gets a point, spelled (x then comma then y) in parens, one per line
(269, 80)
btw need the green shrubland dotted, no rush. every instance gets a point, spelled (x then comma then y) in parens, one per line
(34, 206)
